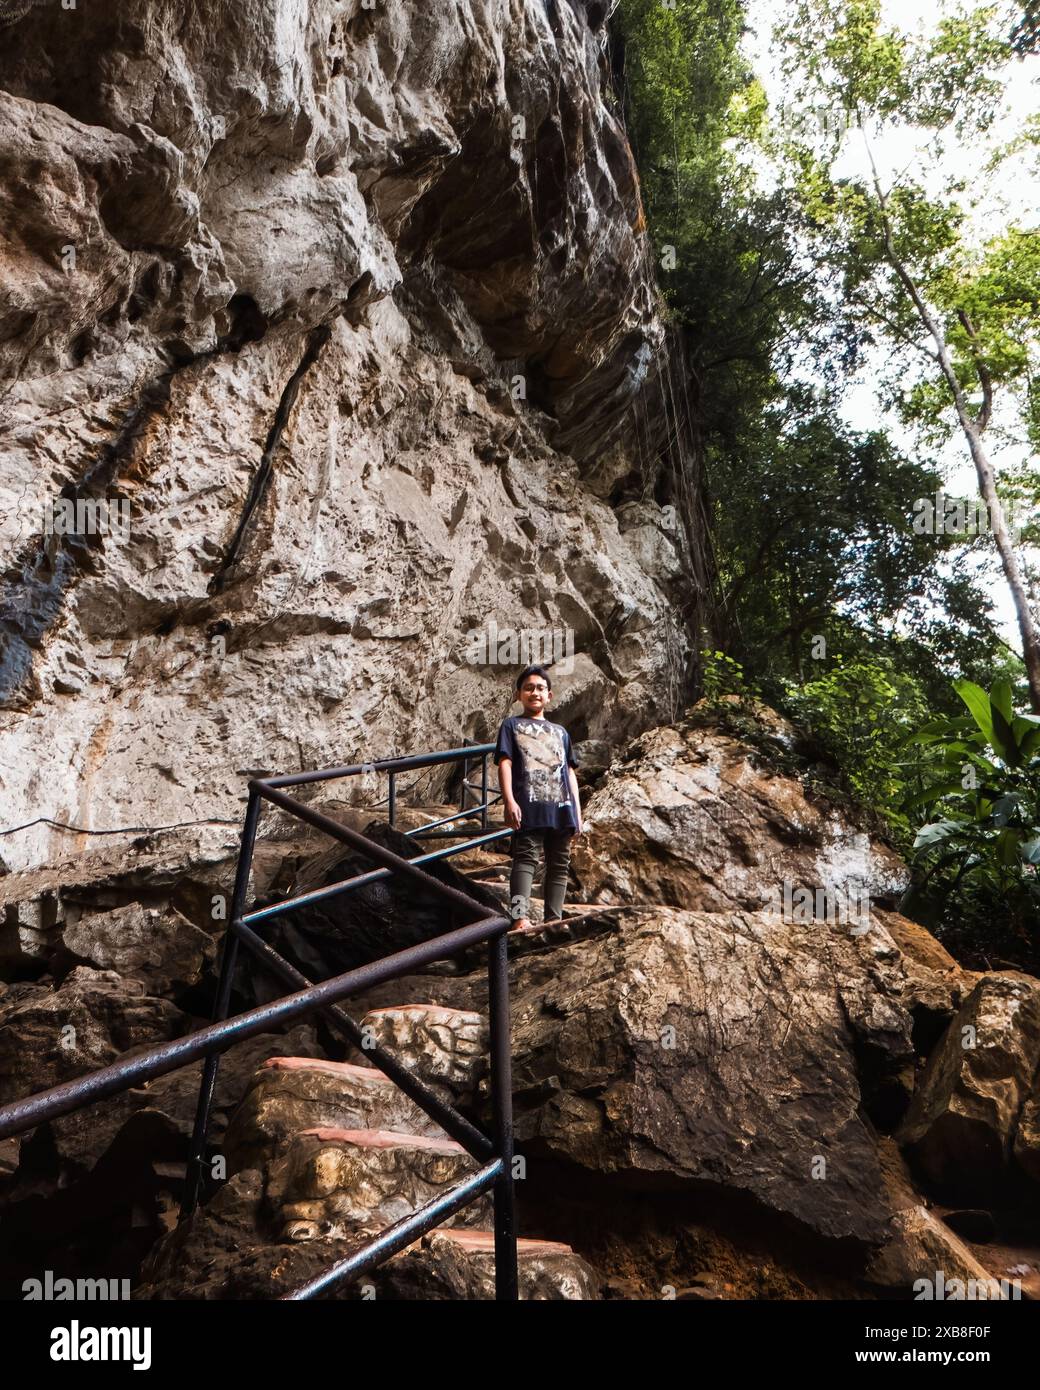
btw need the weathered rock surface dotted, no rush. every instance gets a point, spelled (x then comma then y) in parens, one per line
(97, 1188)
(78, 1141)
(290, 1094)
(690, 820)
(187, 874)
(159, 947)
(223, 1253)
(691, 1051)
(446, 1047)
(712, 1048)
(455, 1263)
(1027, 1134)
(348, 308)
(921, 1248)
(52, 1035)
(963, 1128)
(335, 1182)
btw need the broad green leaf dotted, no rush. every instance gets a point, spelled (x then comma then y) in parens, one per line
(930, 794)
(1005, 734)
(981, 710)
(1000, 698)
(1007, 847)
(1031, 744)
(935, 832)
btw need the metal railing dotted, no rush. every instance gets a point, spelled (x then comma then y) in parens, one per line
(494, 1152)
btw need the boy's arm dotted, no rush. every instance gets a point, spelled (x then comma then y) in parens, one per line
(505, 781)
(577, 799)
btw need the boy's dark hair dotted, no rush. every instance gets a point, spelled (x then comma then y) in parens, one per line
(534, 671)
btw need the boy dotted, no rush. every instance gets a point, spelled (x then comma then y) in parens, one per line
(540, 791)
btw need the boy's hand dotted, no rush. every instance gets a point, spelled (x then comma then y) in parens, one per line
(512, 814)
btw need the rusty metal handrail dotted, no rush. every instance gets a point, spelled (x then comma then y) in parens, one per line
(495, 1153)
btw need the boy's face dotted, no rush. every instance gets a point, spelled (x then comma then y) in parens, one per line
(534, 695)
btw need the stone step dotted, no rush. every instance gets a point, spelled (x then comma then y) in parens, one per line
(291, 1094)
(382, 1139)
(458, 1263)
(583, 911)
(485, 1240)
(333, 1182)
(446, 1047)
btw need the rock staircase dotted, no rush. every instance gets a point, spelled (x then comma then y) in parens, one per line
(346, 1153)
(342, 1153)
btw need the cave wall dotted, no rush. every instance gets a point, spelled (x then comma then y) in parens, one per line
(341, 315)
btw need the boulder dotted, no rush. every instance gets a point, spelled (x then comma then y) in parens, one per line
(683, 1049)
(52, 1035)
(960, 1130)
(690, 817)
(922, 1257)
(159, 947)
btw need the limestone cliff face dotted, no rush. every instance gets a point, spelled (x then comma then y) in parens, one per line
(335, 315)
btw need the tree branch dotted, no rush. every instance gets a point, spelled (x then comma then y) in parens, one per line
(983, 417)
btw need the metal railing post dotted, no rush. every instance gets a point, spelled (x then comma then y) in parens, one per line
(197, 1152)
(506, 1278)
(211, 1041)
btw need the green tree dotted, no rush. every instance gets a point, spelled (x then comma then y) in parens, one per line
(958, 313)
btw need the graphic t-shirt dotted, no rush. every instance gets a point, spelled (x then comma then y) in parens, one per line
(540, 753)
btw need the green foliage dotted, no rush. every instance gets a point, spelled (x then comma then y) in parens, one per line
(828, 604)
(721, 676)
(984, 837)
(734, 290)
(935, 79)
(955, 310)
(861, 712)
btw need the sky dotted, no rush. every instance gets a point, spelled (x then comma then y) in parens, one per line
(1016, 197)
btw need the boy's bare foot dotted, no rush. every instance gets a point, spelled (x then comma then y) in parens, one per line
(522, 925)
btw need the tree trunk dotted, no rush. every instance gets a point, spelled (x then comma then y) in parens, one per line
(983, 468)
